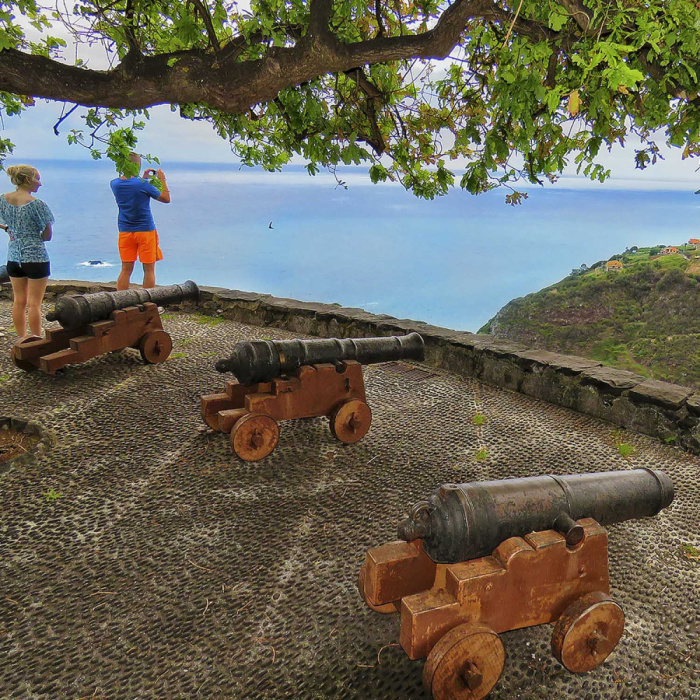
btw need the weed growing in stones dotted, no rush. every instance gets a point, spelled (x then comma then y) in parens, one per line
(690, 552)
(479, 419)
(209, 320)
(625, 449)
(52, 495)
(482, 453)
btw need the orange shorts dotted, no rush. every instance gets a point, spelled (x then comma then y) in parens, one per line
(141, 244)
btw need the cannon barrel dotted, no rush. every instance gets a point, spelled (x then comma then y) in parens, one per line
(465, 521)
(75, 311)
(263, 360)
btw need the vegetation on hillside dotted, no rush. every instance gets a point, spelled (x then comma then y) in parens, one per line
(645, 317)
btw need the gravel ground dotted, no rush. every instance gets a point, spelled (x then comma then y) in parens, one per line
(139, 558)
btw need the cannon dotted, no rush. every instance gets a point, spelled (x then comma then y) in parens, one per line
(94, 324)
(478, 559)
(286, 379)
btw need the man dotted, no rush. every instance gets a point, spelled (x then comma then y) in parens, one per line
(137, 231)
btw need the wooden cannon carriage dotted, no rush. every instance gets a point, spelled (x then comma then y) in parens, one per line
(454, 602)
(95, 324)
(284, 380)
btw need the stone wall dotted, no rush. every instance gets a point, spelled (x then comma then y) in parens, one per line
(667, 411)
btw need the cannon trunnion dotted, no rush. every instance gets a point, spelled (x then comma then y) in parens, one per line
(453, 610)
(283, 380)
(95, 324)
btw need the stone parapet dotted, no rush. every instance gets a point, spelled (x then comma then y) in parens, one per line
(666, 411)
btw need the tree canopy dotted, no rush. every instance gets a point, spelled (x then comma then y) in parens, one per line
(508, 90)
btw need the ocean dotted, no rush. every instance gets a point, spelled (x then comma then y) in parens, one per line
(454, 261)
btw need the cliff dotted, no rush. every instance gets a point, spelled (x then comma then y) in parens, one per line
(644, 317)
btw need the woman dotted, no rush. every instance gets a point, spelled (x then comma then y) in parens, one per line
(28, 221)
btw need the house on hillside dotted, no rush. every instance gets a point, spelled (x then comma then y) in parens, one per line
(671, 250)
(695, 242)
(613, 265)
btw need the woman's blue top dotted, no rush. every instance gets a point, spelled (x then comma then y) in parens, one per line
(25, 225)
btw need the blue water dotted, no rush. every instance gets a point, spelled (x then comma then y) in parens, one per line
(454, 261)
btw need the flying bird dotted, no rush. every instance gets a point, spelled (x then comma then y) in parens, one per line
(270, 225)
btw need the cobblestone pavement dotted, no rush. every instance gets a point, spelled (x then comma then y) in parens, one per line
(140, 559)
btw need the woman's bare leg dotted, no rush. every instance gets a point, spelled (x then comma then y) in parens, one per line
(125, 275)
(19, 304)
(36, 291)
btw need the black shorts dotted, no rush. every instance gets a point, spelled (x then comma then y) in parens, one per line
(33, 270)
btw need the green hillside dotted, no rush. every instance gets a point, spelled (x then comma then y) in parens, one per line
(644, 317)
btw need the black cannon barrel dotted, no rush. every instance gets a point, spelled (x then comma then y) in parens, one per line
(464, 521)
(77, 310)
(263, 360)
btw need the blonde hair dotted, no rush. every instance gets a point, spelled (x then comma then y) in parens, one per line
(22, 174)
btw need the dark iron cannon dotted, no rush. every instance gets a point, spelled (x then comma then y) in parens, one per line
(80, 309)
(286, 379)
(478, 559)
(262, 360)
(96, 324)
(464, 521)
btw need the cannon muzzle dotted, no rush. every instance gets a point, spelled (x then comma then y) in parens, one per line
(459, 522)
(263, 360)
(75, 311)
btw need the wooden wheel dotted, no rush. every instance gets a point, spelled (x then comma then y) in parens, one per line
(350, 421)
(587, 632)
(466, 663)
(254, 436)
(155, 346)
(386, 608)
(26, 365)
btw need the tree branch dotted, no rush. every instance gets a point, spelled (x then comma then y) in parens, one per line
(206, 18)
(63, 118)
(378, 15)
(134, 52)
(581, 14)
(223, 82)
(319, 19)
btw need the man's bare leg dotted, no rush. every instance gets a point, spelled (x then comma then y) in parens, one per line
(149, 275)
(125, 275)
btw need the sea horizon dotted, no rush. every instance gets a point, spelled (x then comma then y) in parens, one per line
(453, 261)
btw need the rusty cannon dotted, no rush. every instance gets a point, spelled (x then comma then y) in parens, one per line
(286, 379)
(95, 324)
(478, 559)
